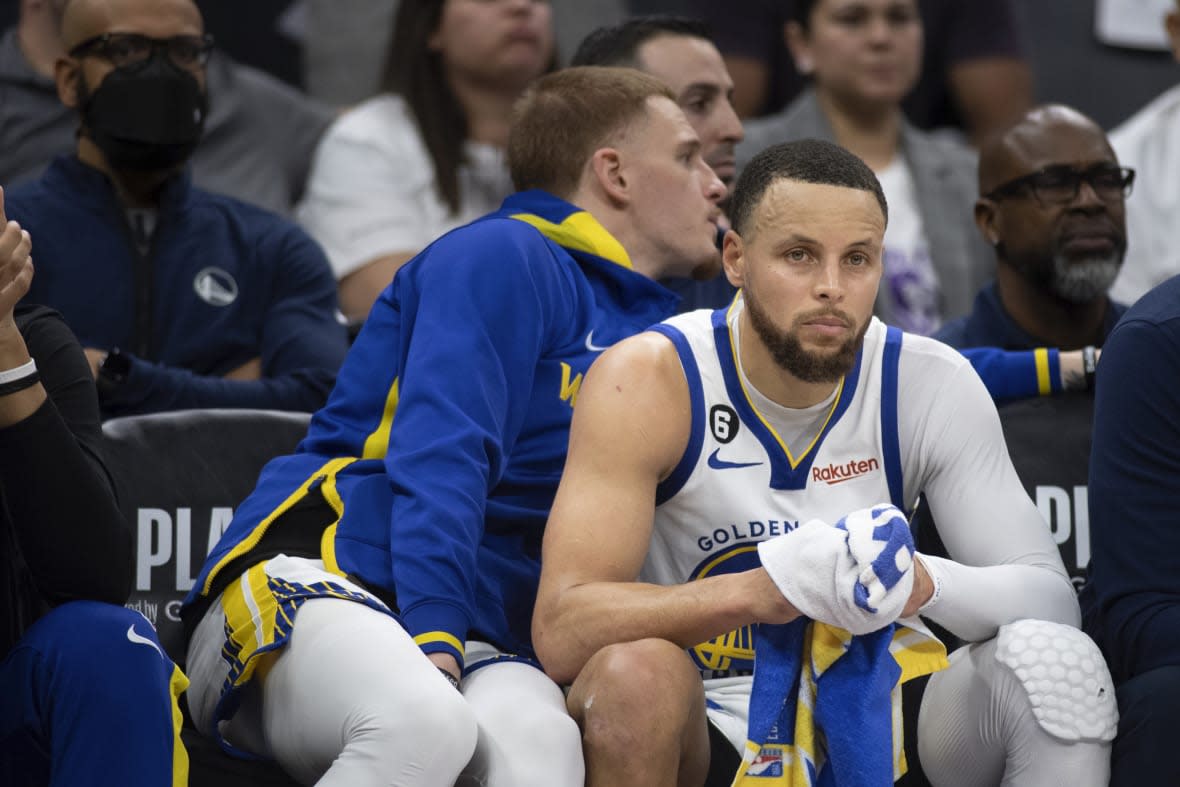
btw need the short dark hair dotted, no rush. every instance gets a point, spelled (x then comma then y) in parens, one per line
(618, 45)
(808, 160)
(564, 117)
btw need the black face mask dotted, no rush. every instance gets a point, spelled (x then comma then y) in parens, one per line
(148, 117)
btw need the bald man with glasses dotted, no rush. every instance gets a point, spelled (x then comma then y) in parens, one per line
(1052, 206)
(236, 155)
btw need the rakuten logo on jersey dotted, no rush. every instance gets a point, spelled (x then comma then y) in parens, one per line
(854, 468)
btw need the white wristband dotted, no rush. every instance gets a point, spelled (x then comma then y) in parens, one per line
(19, 372)
(934, 571)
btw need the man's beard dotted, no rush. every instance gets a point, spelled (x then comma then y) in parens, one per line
(1075, 281)
(788, 352)
(1084, 281)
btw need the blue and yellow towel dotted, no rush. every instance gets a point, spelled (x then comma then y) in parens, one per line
(825, 707)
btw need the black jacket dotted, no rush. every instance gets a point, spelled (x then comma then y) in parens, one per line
(62, 536)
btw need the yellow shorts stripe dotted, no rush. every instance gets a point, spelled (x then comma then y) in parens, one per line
(260, 609)
(328, 542)
(177, 685)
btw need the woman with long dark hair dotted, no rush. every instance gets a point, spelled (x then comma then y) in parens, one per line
(427, 154)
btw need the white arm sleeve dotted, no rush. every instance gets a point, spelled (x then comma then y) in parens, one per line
(1004, 563)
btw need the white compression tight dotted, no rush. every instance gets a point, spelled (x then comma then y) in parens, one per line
(526, 737)
(976, 729)
(352, 701)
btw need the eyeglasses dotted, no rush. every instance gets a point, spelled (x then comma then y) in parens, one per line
(1060, 184)
(130, 49)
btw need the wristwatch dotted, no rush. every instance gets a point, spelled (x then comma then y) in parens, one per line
(1089, 365)
(113, 371)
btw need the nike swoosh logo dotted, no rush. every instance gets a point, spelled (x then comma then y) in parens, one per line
(721, 464)
(591, 346)
(141, 640)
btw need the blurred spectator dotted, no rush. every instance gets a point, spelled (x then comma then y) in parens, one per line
(679, 53)
(1051, 205)
(182, 298)
(974, 75)
(89, 696)
(238, 154)
(1150, 142)
(1130, 604)
(344, 41)
(427, 155)
(864, 58)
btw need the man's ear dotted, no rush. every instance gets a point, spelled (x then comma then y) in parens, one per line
(987, 220)
(733, 258)
(66, 72)
(606, 165)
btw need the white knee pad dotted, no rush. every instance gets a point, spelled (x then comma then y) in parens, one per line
(1066, 678)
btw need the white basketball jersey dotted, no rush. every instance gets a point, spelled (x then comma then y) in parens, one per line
(738, 483)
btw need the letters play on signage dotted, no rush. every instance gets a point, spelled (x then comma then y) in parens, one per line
(166, 538)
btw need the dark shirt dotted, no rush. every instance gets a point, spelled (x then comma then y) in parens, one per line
(1131, 607)
(1048, 437)
(224, 283)
(990, 325)
(715, 293)
(61, 534)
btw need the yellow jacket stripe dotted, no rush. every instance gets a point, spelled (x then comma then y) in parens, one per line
(439, 636)
(580, 231)
(328, 470)
(377, 444)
